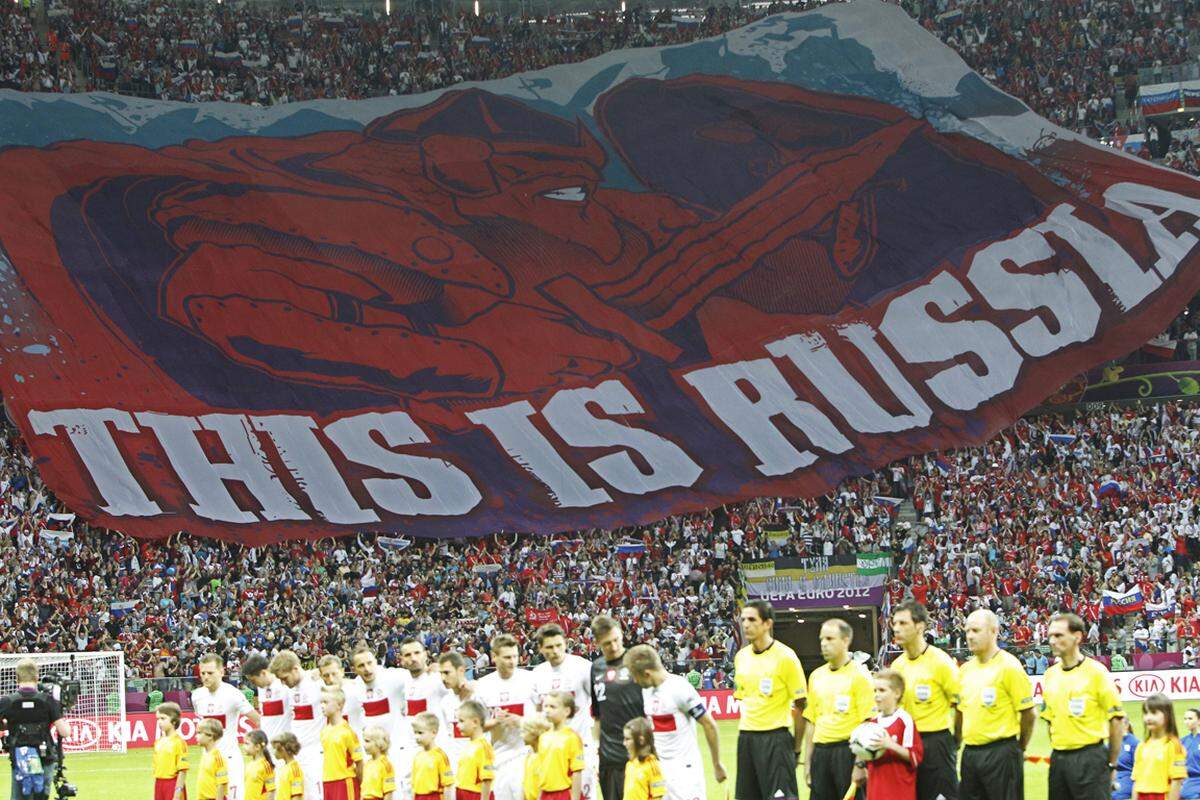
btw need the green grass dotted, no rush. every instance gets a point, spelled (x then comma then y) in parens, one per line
(117, 776)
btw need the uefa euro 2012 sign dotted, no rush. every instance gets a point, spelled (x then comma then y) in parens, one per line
(590, 296)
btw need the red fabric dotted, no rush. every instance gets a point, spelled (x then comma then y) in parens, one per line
(344, 789)
(376, 708)
(164, 789)
(272, 708)
(561, 794)
(889, 777)
(302, 712)
(663, 723)
(1151, 796)
(466, 794)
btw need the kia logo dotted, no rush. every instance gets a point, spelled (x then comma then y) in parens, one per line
(1146, 685)
(85, 734)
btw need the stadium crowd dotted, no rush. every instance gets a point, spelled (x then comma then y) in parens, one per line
(1107, 500)
(1067, 60)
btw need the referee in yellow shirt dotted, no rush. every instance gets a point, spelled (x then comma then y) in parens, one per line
(840, 698)
(769, 681)
(931, 693)
(995, 716)
(1081, 703)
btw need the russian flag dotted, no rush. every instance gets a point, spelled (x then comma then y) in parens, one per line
(121, 608)
(1123, 602)
(1161, 102)
(631, 549)
(369, 588)
(1109, 487)
(887, 502)
(1065, 439)
(1161, 347)
(942, 466)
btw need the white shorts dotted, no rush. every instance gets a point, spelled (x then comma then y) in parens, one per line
(402, 764)
(591, 770)
(235, 767)
(510, 780)
(312, 764)
(684, 779)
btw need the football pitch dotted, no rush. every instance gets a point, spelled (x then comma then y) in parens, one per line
(126, 776)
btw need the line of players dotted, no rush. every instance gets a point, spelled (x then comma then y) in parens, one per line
(619, 686)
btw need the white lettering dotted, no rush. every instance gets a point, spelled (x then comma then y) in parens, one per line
(308, 461)
(88, 431)
(204, 479)
(919, 338)
(450, 490)
(568, 413)
(751, 419)
(1130, 284)
(1063, 293)
(813, 356)
(526, 445)
(1137, 201)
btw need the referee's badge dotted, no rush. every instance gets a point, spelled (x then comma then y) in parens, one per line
(1076, 705)
(924, 692)
(766, 686)
(988, 695)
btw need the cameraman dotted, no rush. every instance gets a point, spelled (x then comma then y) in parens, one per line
(28, 715)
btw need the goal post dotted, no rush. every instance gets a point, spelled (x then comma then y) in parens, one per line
(97, 718)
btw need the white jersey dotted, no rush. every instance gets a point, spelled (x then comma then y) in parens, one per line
(307, 719)
(423, 694)
(573, 675)
(352, 712)
(516, 696)
(673, 708)
(450, 738)
(226, 705)
(275, 708)
(383, 700)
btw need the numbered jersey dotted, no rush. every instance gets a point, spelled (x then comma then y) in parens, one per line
(226, 705)
(616, 699)
(673, 708)
(516, 696)
(573, 675)
(275, 708)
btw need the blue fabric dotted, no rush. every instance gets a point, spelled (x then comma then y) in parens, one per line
(1191, 786)
(1124, 784)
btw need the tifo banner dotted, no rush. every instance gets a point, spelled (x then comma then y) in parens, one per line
(819, 581)
(594, 295)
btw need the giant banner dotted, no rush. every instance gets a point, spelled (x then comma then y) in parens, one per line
(590, 296)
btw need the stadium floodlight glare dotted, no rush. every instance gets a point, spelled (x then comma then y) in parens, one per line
(97, 716)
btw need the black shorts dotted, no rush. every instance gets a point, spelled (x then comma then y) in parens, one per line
(612, 781)
(766, 765)
(994, 771)
(831, 768)
(1081, 774)
(937, 774)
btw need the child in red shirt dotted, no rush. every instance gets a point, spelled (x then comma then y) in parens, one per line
(892, 776)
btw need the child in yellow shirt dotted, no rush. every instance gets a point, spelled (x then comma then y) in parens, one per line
(289, 783)
(432, 778)
(170, 755)
(260, 770)
(643, 777)
(477, 764)
(379, 778)
(1159, 763)
(342, 771)
(532, 729)
(560, 750)
(213, 781)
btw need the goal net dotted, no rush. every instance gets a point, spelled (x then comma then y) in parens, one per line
(97, 718)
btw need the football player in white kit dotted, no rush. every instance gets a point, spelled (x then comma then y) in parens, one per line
(674, 707)
(509, 695)
(274, 704)
(333, 673)
(424, 694)
(565, 672)
(216, 699)
(383, 691)
(453, 670)
(304, 694)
